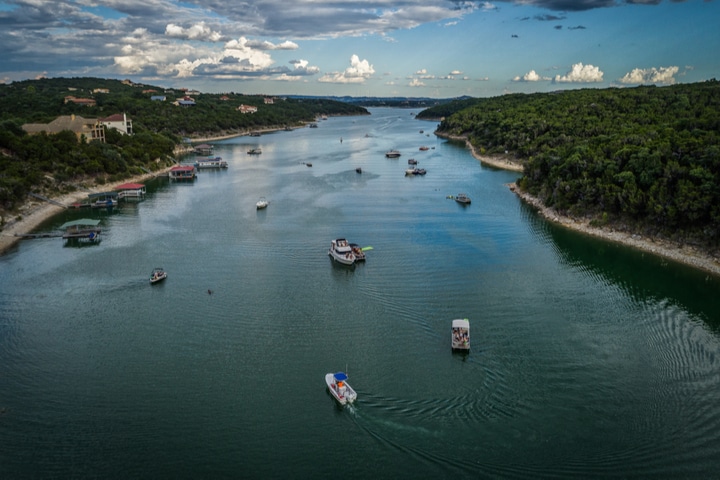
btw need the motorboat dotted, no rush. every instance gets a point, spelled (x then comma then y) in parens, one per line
(254, 151)
(461, 334)
(358, 170)
(462, 198)
(339, 388)
(415, 171)
(424, 148)
(412, 161)
(392, 154)
(341, 251)
(157, 275)
(262, 203)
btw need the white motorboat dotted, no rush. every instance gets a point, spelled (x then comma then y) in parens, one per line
(262, 203)
(339, 388)
(461, 334)
(158, 274)
(341, 251)
(392, 154)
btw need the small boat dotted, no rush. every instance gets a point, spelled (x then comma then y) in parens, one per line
(358, 170)
(358, 252)
(412, 161)
(461, 334)
(462, 198)
(262, 203)
(157, 275)
(254, 151)
(392, 154)
(339, 388)
(415, 171)
(423, 148)
(341, 251)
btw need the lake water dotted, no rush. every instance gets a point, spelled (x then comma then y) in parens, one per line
(588, 359)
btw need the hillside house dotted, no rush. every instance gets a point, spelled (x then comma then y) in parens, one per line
(119, 122)
(88, 102)
(247, 109)
(90, 128)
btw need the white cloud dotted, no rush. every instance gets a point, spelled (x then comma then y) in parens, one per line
(415, 83)
(357, 72)
(199, 31)
(662, 75)
(531, 76)
(581, 74)
(456, 72)
(422, 71)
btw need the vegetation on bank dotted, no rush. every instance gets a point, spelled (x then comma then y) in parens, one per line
(643, 159)
(52, 164)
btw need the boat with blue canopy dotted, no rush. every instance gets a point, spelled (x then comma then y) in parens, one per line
(339, 388)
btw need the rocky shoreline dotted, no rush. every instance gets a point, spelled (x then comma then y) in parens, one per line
(680, 253)
(34, 212)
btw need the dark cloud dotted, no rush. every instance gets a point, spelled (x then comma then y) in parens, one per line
(549, 18)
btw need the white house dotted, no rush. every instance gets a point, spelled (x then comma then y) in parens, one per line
(119, 122)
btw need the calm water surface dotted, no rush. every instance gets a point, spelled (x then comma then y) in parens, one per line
(588, 359)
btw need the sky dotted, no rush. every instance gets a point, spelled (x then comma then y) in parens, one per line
(409, 48)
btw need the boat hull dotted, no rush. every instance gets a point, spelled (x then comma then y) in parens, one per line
(341, 252)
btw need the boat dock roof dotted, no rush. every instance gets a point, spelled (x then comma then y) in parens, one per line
(82, 222)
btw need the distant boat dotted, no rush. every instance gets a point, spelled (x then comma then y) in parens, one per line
(423, 148)
(157, 275)
(392, 154)
(339, 388)
(341, 251)
(462, 198)
(461, 334)
(358, 170)
(262, 203)
(255, 151)
(412, 161)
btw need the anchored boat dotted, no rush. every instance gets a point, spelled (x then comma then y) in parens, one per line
(461, 334)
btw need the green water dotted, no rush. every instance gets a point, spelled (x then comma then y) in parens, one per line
(587, 360)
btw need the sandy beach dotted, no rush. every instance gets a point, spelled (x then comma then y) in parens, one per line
(681, 253)
(34, 212)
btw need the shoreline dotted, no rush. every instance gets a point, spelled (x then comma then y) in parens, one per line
(679, 253)
(35, 212)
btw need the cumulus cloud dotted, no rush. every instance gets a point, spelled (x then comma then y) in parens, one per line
(531, 76)
(357, 72)
(581, 74)
(199, 31)
(416, 83)
(662, 75)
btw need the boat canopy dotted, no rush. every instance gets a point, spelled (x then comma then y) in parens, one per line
(461, 323)
(84, 222)
(340, 377)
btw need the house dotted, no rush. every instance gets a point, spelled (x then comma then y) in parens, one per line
(90, 128)
(158, 98)
(88, 102)
(247, 109)
(185, 101)
(224, 98)
(268, 100)
(149, 90)
(119, 122)
(101, 90)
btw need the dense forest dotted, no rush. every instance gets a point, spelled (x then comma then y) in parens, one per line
(50, 164)
(643, 159)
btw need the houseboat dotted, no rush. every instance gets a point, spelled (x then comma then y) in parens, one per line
(131, 191)
(211, 162)
(461, 335)
(183, 172)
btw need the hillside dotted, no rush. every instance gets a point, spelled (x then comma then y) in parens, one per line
(52, 164)
(644, 159)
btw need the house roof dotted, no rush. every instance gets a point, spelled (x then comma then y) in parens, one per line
(118, 117)
(130, 186)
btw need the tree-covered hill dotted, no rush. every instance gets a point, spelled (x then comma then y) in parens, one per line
(53, 163)
(645, 159)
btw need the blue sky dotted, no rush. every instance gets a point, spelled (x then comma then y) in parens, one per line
(418, 48)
